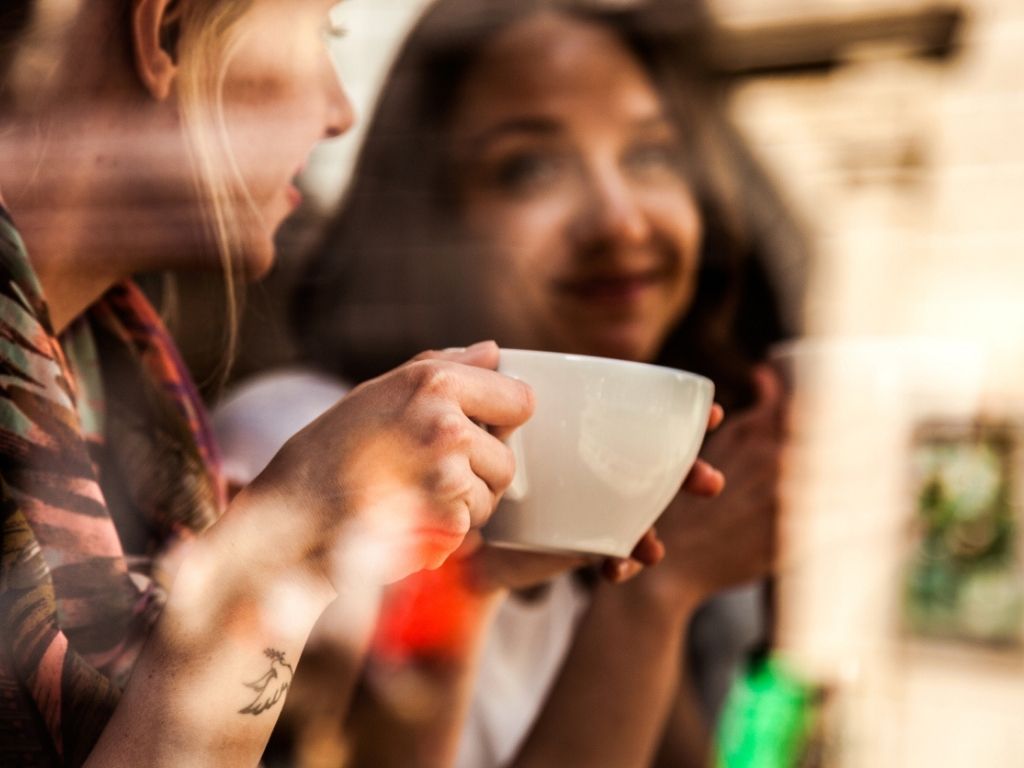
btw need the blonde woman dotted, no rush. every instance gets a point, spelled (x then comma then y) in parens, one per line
(144, 621)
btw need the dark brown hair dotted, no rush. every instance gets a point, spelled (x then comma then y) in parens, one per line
(395, 271)
(15, 16)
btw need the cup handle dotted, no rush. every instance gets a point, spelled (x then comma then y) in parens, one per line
(518, 488)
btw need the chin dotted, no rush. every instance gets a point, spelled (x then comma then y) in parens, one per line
(620, 346)
(258, 259)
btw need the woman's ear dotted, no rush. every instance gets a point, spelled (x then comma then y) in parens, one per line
(156, 64)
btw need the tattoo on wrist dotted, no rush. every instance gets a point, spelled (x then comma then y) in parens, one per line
(269, 687)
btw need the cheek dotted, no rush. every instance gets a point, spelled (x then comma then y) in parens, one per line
(266, 142)
(520, 250)
(679, 225)
(529, 238)
(270, 108)
(678, 221)
(681, 211)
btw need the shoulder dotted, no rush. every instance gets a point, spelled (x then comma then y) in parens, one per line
(30, 360)
(19, 286)
(258, 416)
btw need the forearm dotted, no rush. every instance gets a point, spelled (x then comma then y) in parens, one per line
(610, 702)
(686, 741)
(209, 684)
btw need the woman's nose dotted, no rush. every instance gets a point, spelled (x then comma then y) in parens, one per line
(613, 212)
(339, 115)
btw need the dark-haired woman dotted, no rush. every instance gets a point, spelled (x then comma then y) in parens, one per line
(557, 175)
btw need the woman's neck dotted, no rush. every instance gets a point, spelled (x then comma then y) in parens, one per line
(83, 198)
(62, 216)
(72, 268)
(70, 154)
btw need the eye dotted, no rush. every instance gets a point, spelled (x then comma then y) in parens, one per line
(333, 31)
(525, 172)
(334, 27)
(653, 157)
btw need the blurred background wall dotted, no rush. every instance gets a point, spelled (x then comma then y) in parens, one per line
(904, 159)
(908, 168)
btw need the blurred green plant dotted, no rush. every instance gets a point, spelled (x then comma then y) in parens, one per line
(962, 581)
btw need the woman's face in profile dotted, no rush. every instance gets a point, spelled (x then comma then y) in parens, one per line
(570, 175)
(254, 101)
(281, 95)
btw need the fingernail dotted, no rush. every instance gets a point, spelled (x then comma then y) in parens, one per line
(453, 350)
(480, 345)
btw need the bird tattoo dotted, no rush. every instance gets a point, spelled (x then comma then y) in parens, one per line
(270, 687)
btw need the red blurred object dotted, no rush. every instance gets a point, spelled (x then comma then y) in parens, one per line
(426, 616)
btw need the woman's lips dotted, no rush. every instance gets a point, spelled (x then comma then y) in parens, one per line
(292, 190)
(612, 289)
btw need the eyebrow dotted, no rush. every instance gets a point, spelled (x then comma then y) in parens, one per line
(534, 126)
(544, 126)
(658, 120)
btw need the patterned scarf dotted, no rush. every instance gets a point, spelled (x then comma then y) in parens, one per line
(106, 460)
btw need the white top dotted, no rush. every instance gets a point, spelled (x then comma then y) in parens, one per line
(522, 656)
(528, 641)
(256, 419)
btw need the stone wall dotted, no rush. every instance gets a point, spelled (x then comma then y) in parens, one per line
(909, 173)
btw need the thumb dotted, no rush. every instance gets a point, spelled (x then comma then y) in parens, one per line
(767, 407)
(771, 404)
(768, 394)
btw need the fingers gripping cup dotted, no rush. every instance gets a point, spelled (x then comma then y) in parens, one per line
(606, 450)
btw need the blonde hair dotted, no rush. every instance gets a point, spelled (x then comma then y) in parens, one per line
(206, 39)
(203, 36)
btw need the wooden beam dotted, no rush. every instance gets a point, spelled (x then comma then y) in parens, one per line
(820, 44)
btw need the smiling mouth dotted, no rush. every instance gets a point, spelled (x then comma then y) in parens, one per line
(613, 288)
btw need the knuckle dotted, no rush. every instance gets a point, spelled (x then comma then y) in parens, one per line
(424, 375)
(454, 517)
(480, 511)
(448, 483)
(433, 378)
(447, 432)
(462, 518)
(425, 355)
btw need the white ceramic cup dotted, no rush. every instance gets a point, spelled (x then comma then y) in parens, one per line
(605, 452)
